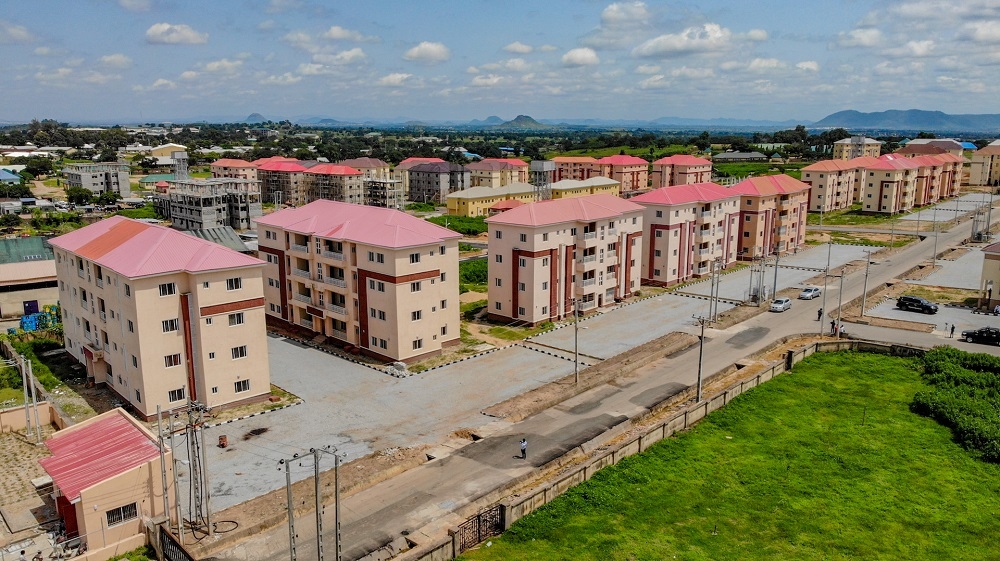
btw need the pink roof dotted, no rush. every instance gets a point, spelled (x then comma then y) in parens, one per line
(136, 249)
(893, 162)
(382, 227)
(273, 159)
(96, 450)
(682, 160)
(623, 160)
(161, 184)
(333, 169)
(282, 165)
(574, 160)
(830, 165)
(410, 162)
(513, 161)
(685, 194)
(769, 185)
(358, 163)
(232, 163)
(863, 161)
(507, 204)
(556, 211)
(992, 248)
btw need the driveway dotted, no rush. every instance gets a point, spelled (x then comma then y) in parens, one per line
(961, 317)
(963, 272)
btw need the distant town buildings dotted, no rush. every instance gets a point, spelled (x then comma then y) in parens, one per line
(856, 147)
(575, 167)
(401, 172)
(433, 181)
(234, 168)
(335, 183)
(492, 173)
(680, 169)
(569, 188)
(99, 178)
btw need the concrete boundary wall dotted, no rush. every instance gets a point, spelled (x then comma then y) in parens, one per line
(520, 505)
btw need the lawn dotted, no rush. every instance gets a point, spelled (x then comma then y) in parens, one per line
(615, 150)
(827, 462)
(850, 217)
(512, 333)
(743, 169)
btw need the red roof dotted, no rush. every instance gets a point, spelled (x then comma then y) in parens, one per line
(684, 194)
(161, 184)
(682, 160)
(830, 165)
(491, 165)
(136, 249)
(769, 185)
(333, 169)
(623, 160)
(410, 162)
(273, 159)
(557, 211)
(232, 163)
(366, 163)
(282, 165)
(96, 450)
(513, 161)
(507, 204)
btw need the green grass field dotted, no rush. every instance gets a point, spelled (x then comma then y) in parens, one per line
(850, 217)
(742, 169)
(826, 462)
(615, 150)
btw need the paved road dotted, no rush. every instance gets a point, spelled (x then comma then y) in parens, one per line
(428, 494)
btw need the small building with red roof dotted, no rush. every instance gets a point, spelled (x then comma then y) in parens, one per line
(161, 317)
(493, 173)
(504, 206)
(549, 257)
(576, 167)
(522, 167)
(688, 230)
(772, 215)
(107, 477)
(680, 169)
(401, 172)
(234, 168)
(283, 180)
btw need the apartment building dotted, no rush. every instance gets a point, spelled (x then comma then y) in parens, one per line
(856, 147)
(234, 168)
(772, 215)
(686, 229)
(575, 167)
(492, 173)
(680, 169)
(401, 172)
(949, 145)
(985, 166)
(284, 181)
(479, 201)
(889, 185)
(433, 181)
(630, 171)
(521, 173)
(831, 185)
(370, 168)
(199, 204)
(161, 317)
(99, 178)
(335, 183)
(569, 188)
(548, 256)
(372, 278)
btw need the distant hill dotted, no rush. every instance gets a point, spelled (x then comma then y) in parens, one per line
(522, 122)
(489, 121)
(910, 120)
(254, 118)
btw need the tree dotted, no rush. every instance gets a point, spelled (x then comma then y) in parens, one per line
(108, 198)
(10, 220)
(78, 195)
(143, 162)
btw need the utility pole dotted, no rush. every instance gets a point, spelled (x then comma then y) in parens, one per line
(287, 462)
(934, 256)
(701, 354)
(826, 274)
(576, 343)
(840, 298)
(864, 293)
(777, 256)
(177, 488)
(163, 465)
(319, 503)
(27, 400)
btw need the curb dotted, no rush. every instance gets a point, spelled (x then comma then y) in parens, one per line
(544, 352)
(312, 345)
(292, 404)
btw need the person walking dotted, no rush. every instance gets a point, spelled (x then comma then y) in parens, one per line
(22, 557)
(833, 327)
(952, 334)
(819, 314)
(524, 448)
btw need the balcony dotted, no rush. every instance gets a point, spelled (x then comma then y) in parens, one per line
(307, 323)
(706, 214)
(336, 282)
(79, 273)
(588, 282)
(342, 335)
(586, 236)
(702, 270)
(99, 282)
(333, 255)
(339, 310)
(612, 231)
(611, 256)
(303, 298)
(587, 305)
(297, 247)
(588, 258)
(704, 251)
(301, 273)
(704, 235)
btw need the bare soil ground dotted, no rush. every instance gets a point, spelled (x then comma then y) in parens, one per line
(42, 191)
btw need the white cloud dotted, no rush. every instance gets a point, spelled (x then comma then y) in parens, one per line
(647, 69)
(519, 48)
(548, 48)
(12, 33)
(55, 75)
(285, 79)
(983, 31)
(266, 25)
(179, 34)
(314, 69)
(913, 49)
(808, 66)
(583, 56)
(428, 52)
(136, 5)
(624, 13)
(692, 73)
(619, 24)
(94, 77)
(350, 56)
(756, 35)
(765, 64)
(44, 51)
(472, 70)
(394, 79)
(224, 66)
(710, 37)
(117, 60)
(189, 75)
(301, 40)
(517, 65)
(159, 84)
(657, 81)
(864, 37)
(487, 80)
(337, 33)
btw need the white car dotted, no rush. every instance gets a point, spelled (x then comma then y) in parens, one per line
(809, 292)
(781, 304)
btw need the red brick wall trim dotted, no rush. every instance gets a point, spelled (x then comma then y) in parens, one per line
(231, 307)
(403, 278)
(282, 278)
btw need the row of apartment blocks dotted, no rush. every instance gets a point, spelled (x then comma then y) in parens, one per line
(887, 184)
(487, 201)
(161, 317)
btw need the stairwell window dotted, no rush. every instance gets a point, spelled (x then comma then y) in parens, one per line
(170, 360)
(241, 386)
(175, 395)
(170, 325)
(414, 258)
(239, 352)
(236, 319)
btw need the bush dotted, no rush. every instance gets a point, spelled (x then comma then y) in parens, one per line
(421, 207)
(462, 224)
(145, 211)
(474, 271)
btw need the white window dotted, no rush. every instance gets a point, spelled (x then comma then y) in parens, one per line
(131, 327)
(444, 330)
(234, 283)
(520, 287)
(498, 258)
(659, 233)
(498, 306)
(520, 311)
(442, 277)
(418, 344)
(545, 261)
(444, 304)
(545, 285)
(175, 395)
(205, 284)
(659, 214)
(442, 249)
(168, 361)
(416, 315)
(545, 237)
(166, 289)
(381, 315)
(122, 514)
(499, 283)
(414, 258)
(128, 290)
(215, 389)
(524, 237)
(135, 362)
(208, 321)
(211, 356)
(498, 235)
(415, 286)
(522, 262)
(236, 319)
(545, 310)
(170, 325)
(239, 352)
(241, 386)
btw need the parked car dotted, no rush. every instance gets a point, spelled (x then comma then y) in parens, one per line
(809, 292)
(781, 304)
(916, 304)
(985, 335)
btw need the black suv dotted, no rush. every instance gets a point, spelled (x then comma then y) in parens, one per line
(916, 304)
(987, 335)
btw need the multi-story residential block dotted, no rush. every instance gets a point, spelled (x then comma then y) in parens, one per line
(687, 228)
(911, 150)
(856, 147)
(680, 169)
(374, 278)
(548, 256)
(200, 204)
(949, 145)
(99, 178)
(576, 167)
(522, 167)
(335, 183)
(371, 168)
(772, 215)
(568, 188)
(162, 317)
(385, 193)
(433, 181)
(285, 181)
(889, 185)
(985, 166)
(479, 201)
(492, 173)
(401, 172)
(831, 185)
(630, 171)
(234, 168)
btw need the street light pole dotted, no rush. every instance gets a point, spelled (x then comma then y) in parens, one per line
(840, 298)
(826, 274)
(576, 343)
(864, 293)
(701, 355)
(934, 256)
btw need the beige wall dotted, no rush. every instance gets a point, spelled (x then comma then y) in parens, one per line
(492, 178)
(584, 191)
(847, 151)
(480, 207)
(681, 241)
(769, 221)
(12, 302)
(888, 191)
(688, 174)
(247, 172)
(830, 190)
(632, 177)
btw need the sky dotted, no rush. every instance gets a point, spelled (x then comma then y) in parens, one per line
(133, 61)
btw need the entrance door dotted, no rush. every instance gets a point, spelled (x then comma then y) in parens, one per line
(30, 307)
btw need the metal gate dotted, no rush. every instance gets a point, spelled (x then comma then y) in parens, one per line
(479, 527)
(172, 551)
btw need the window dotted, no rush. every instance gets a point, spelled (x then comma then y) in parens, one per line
(659, 214)
(417, 315)
(418, 344)
(122, 514)
(444, 330)
(236, 319)
(656, 272)
(239, 352)
(167, 289)
(524, 237)
(414, 258)
(572, 231)
(215, 389)
(442, 249)
(175, 395)
(520, 287)
(128, 290)
(444, 304)
(372, 312)
(545, 310)
(205, 284)
(131, 327)
(170, 325)
(208, 321)
(376, 257)
(211, 356)
(442, 277)
(545, 261)
(633, 220)
(520, 311)
(499, 283)
(498, 235)
(135, 362)
(234, 283)
(656, 253)
(138, 397)
(545, 237)
(269, 235)
(381, 315)
(498, 258)
(169, 360)
(415, 286)
(545, 285)
(522, 262)
(497, 306)
(241, 386)
(659, 233)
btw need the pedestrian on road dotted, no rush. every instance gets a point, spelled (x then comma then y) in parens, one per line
(524, 448)
(945, 327)
(843, 330)
(833, 327)
(22, 557)
(819, 314)
(952, 335)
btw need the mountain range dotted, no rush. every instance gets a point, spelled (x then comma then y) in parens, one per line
(910, 120)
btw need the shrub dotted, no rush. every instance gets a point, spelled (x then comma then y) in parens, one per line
(462, 224)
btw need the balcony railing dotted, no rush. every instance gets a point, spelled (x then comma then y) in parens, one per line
(104, 317)
(707, 214)
(704, 251)
(611, 255)
(587, 305)
(612, 231)
(301, 273)
(340, 310)
(333, 255)
(336, 282)
(303, 298)
(586, 236)
(307, 323)
(79, 273)
(99, 282)
(588, 258)
(342, 335)
(702, 270)
(588, 282)
(297, 247)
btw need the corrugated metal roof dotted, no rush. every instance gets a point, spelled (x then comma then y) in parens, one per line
(685, 194)
(682, 160)
(33, 248)
(96, 450)
(223, 235)
(769, 185)
(557, 211)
